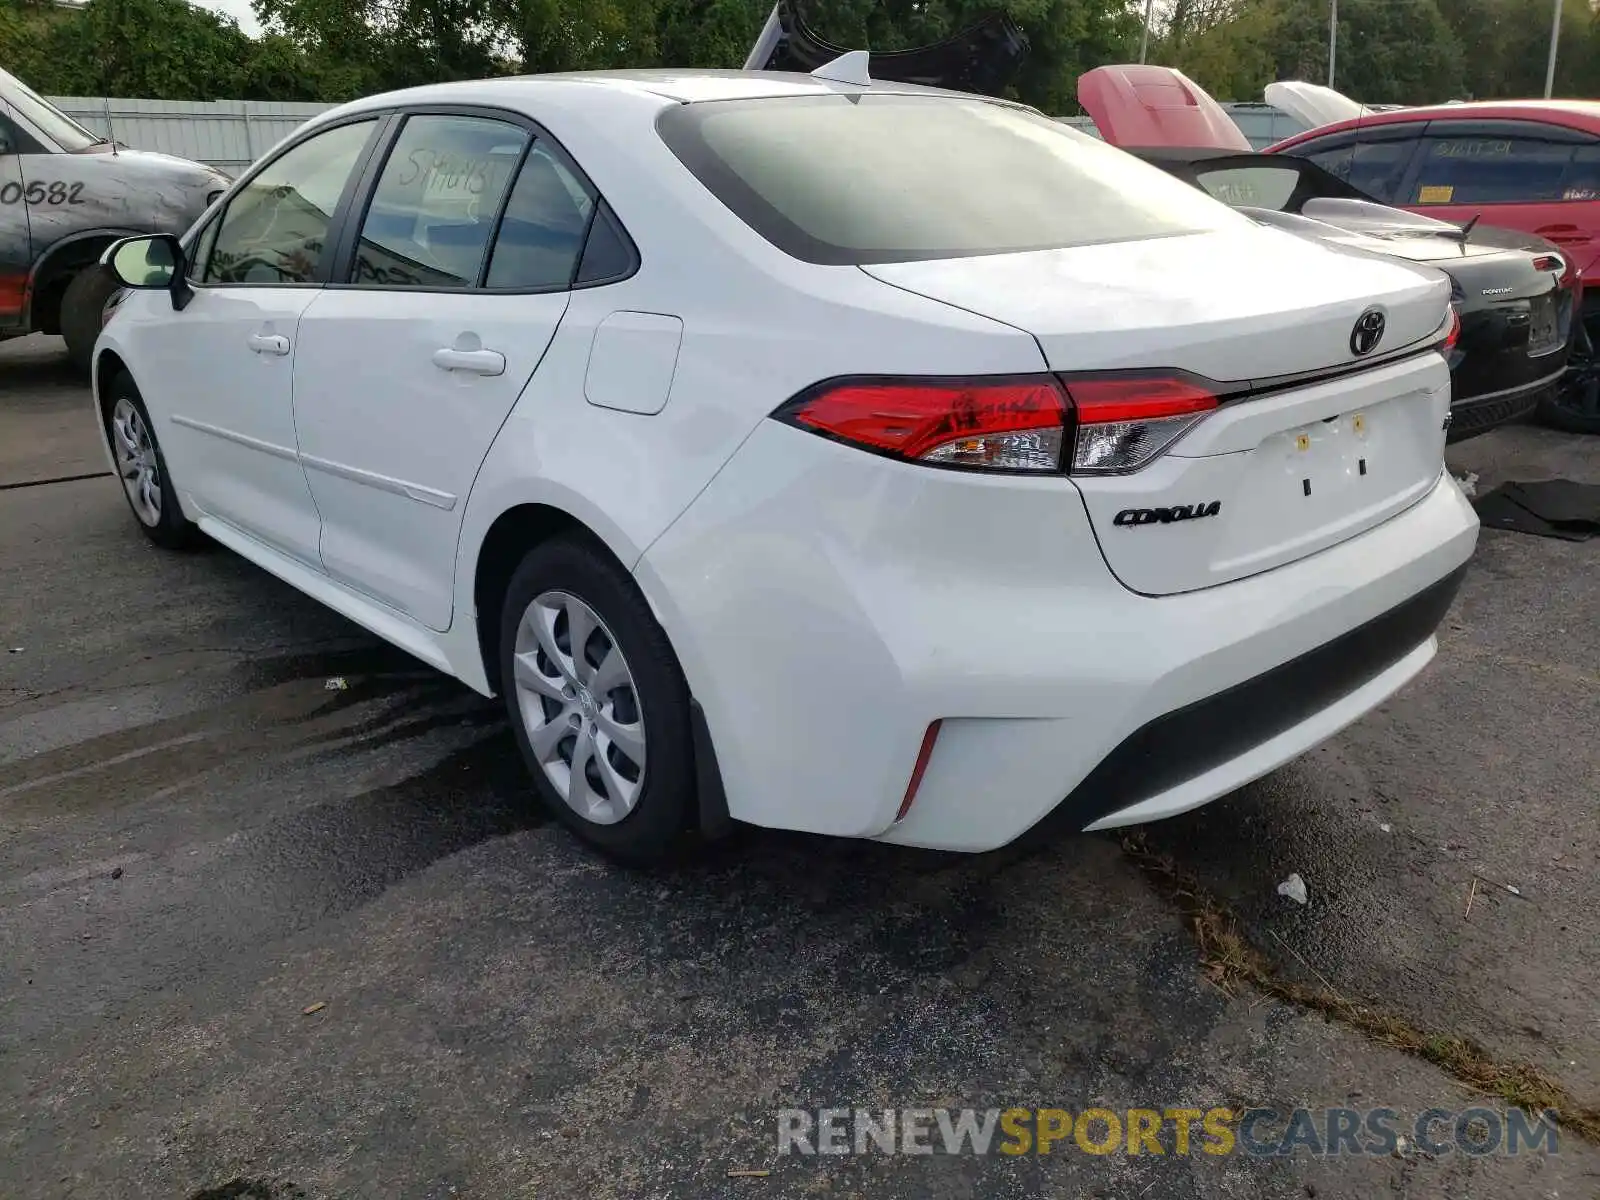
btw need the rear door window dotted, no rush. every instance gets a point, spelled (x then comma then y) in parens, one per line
(898, 178)
(1477, 169)
(432, 213)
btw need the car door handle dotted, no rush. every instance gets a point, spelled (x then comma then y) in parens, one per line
(268, 343)
(470, 362)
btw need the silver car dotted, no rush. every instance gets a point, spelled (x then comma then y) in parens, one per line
(65, 195)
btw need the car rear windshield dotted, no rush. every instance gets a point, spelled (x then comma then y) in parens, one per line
(899, 178)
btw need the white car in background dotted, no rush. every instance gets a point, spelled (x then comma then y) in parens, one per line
(806, 451)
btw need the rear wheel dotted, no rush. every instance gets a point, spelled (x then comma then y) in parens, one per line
(142, 468)
(1574, 404)
(82, 306)
(598, 702)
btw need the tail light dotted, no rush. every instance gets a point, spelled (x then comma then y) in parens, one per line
(1452, 333)
(1099, 425)
(1124, 423)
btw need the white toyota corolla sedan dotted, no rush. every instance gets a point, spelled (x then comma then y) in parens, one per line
(826, 455)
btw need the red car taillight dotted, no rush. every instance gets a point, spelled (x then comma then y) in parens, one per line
(1106, 424)
(1453, 333)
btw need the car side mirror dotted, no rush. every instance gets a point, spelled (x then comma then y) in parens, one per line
(151, 263)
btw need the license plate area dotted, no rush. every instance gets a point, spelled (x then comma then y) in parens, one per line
(1331, 462)
(1544, 331)
(1264, 482)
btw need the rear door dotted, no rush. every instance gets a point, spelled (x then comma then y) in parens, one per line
(410, 362)
(1540, 178)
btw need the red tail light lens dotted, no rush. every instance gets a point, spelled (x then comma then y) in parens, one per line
(1453, 333)
(1124, 422)
(1037, 423)
(997, 425)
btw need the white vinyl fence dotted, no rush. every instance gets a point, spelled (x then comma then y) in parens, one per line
(231, 134)
(226, 134)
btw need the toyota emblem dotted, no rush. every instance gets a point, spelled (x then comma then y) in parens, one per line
(1364, 338)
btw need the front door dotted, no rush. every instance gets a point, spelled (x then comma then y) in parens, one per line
(405, 371)
(16, 254)
(228, 413)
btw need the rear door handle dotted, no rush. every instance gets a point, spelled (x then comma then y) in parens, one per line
(470, 362)
(268, 343)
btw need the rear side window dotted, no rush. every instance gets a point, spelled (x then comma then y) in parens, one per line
(1583, 178)
(1252, 187)
(541, 234)
(1491, 170)
(897, 178)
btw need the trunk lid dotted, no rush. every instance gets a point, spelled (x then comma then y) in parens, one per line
(1266, 479)
(1314, 105)
(1146, 106)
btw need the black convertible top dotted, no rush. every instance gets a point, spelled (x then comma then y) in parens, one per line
(981, 58)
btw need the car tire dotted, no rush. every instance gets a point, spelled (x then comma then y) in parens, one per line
(636, 797)
(1574, 407)
(142, 468)
(83, 305)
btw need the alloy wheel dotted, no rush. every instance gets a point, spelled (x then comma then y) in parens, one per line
(580, 707)
(136, 462)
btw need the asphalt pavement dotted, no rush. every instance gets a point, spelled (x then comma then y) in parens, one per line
(278, 919)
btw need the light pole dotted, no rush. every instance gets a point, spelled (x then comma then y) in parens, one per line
(1333, 38)
(1144, 38)
(1555, 38)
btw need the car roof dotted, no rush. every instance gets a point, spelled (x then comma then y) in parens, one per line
(1584, 114)
(674, 86)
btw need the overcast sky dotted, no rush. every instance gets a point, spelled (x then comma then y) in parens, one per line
(239, 10)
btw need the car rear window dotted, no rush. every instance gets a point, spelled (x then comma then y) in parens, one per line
(899, 178)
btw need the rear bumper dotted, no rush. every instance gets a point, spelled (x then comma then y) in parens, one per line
(827, 605)
(1160, 765)
(1478, 414)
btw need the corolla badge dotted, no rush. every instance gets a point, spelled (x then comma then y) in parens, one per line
(1165, 516)
(1364, 338)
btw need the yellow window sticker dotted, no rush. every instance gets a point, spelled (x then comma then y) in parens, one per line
(1359, 423)
(1435, 193)
(1302, 442)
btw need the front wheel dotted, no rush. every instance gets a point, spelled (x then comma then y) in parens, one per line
(83, 307)
(142, 468)
(598, 702)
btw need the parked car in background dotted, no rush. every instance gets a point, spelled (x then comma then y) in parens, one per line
(1513, 293)
(1531, 165)
(771, 469)
(65, 195)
